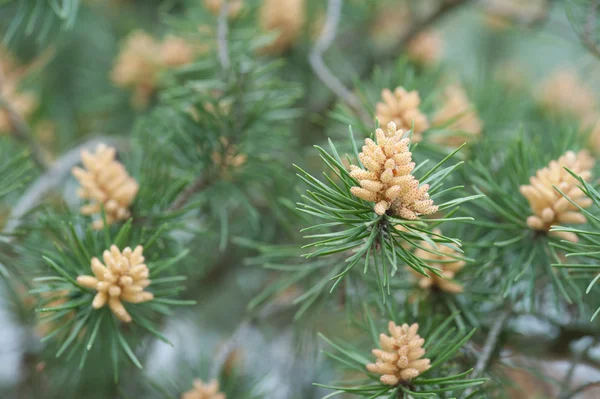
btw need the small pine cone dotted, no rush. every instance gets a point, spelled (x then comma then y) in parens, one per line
(388, 181)
(204, 391)
(104, 181)
(402, 108)
(400, 357)
(234, 7)
(565, 94)
(122, 277)
(175, 52)
(548, 205)
(286, 18)
(426, 48)
(448, 265)
(459, 113)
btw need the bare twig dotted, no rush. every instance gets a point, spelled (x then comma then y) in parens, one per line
(52, 177)
(326, 38)
(222, 28)
(577, 358)
(488, 347)
(582, 388)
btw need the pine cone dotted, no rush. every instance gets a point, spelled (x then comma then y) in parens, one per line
(402, 108)
(124, 278)
(388, 181)
(204, 391)
(460, 113)
(105, 182)
(285, 17)
(548, 205)
(445, 262)
(399, 358)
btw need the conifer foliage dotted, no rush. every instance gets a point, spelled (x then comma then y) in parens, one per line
(297, 199)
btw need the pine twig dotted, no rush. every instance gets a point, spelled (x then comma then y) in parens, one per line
(222, 29)
(577, 358)
(52, 177)
(488, 347)
(198, 185)
(326, 38)
(581, 389)
(21, 129)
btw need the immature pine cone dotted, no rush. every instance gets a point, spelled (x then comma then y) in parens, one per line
(105, 181)
(565, 94)
(122, 279)
(399, 358)
(548, 205)
(426, 48)
(460, 113)
(388, 181)
(402, 108)
(204, 391)
(446, 263)
(284, 17)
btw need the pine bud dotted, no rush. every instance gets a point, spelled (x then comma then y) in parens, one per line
(204, 391)
(426, 48)
(564, 93)
(122, 277)
(402, 108)
(448, 265)
(459, 112)
(286, 18)
(104, 181)
(388, 181)
(548, 205)
(400, 356)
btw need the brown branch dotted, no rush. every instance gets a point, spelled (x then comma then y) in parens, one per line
(326, 38)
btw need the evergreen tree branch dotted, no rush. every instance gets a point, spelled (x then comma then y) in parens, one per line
(488, 347)
(198, 185)
(21, 129)
(222, 29)
(326, 38)
(53, 176)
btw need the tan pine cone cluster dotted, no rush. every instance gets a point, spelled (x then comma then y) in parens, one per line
(448, 265)
(548, 205)
(401, 355)
(104, 181)
(459, 112)
(122, 277)
(141, 60)
(388, 181)
(231, 158)
(284, 17)
(402, 108)
(234, 7)
(500, 14)
(24, 103)
(426, 48)
(204, 391)
(565, 94)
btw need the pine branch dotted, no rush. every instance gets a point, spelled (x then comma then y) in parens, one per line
(198, 185)
(52, 177)
(326, 38)
(21, 129)
(222, 29)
